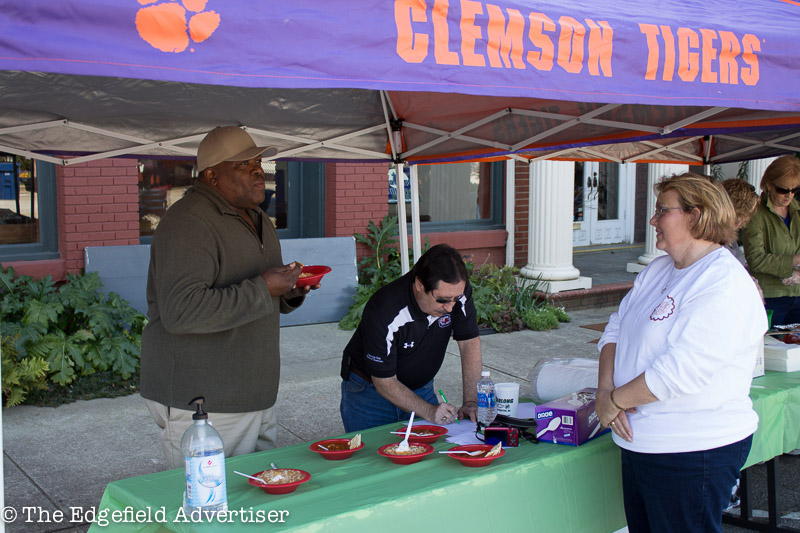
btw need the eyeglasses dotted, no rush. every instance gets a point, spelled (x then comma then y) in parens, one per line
(661, 211)
(440, 300)
(782, 190)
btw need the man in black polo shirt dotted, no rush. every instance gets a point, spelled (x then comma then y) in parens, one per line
(389, 365)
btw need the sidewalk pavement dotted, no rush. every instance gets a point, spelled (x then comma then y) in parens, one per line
(61, 458)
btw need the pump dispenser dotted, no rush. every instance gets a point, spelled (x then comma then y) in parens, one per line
(204, 458)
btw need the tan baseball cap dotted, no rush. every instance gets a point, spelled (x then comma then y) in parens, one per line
(228, 143)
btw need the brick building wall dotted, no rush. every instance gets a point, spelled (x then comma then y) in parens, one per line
(98, 205)
(355, 194)
(522, 201)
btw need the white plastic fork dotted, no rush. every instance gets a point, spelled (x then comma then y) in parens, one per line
(403, 446)
(471, 454)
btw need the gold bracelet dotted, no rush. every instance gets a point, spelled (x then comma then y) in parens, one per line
(614, 402)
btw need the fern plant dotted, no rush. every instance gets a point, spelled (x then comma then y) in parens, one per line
(76, 329)
(20, 376)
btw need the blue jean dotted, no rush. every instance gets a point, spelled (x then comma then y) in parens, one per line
(680, 492)
(785, 310)
(362, 406)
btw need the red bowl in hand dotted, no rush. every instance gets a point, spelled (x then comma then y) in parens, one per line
(334, 455)
(438, 431)
(406, 459)
(480, 460)
(280, 488)
(316, 272)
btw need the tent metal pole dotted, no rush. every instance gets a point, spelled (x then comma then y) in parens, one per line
(416, 237)
(400, 180)
(511, 165)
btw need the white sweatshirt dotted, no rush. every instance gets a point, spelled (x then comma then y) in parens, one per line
(695, 333)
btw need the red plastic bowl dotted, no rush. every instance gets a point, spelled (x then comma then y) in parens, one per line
(333, 455)
(283, 488)
(317, 272)
(406, 459)
(466, 460)
(439, 431)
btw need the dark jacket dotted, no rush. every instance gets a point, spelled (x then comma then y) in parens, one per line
(214, 328)
(770, 247)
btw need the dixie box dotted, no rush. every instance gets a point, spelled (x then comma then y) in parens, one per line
(569, 420)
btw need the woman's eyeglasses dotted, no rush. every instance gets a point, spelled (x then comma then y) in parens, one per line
(783, 190)
(661, 211)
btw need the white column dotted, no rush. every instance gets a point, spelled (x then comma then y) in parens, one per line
(550, 227)
(655, 172)
(756, 171)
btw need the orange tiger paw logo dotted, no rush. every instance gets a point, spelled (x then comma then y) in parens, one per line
(164, 25)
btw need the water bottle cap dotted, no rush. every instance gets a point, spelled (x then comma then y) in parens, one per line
(484, 373)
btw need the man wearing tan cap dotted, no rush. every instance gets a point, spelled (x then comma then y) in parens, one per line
(215, 288)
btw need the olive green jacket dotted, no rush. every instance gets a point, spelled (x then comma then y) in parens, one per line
(769, 247)
(213, 327)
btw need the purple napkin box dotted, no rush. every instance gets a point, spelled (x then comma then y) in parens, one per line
(569, 420)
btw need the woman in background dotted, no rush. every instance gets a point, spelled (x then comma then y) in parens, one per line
(676, 362)
(772, 239)
(745, 201)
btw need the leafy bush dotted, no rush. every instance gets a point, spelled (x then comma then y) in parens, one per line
(75, 328)
(377, 269)
(503, 301)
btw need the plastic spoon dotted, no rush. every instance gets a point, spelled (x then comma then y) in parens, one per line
(552, 426)
(251, 477)
(403, 446)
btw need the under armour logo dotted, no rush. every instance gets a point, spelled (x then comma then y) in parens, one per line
(408, 345)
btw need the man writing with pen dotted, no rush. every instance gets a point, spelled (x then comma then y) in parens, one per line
(389, 364)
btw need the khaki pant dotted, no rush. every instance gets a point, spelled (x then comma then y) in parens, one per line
(241, 432)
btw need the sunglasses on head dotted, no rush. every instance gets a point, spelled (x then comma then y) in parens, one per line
(782, 190)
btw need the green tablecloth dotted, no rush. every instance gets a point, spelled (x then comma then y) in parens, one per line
(776, 399)
(541, 488)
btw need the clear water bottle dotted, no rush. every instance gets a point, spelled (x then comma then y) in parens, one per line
(487, 409)
(204, 458)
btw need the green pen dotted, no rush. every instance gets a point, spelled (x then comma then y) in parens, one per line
(445, 401)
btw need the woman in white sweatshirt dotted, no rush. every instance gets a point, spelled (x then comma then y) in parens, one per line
(676, 362)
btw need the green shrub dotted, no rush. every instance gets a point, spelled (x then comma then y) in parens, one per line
(76, 329)
(376, 269)
(540, 319)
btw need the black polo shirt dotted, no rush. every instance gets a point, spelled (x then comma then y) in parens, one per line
(395, 338)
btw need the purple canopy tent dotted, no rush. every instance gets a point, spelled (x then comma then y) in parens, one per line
(414, 80)
(458, 80)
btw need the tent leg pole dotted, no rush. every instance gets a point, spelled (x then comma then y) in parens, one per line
(400, 179)
(511, 165)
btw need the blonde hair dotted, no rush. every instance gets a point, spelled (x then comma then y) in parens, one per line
(717, 222)
(786, 165)
(743, 197)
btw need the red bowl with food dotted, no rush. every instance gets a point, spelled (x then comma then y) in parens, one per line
(336, 448)
(280, 480)
(417, 452)
(424, 434)
(477, 460)
(311, 274)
